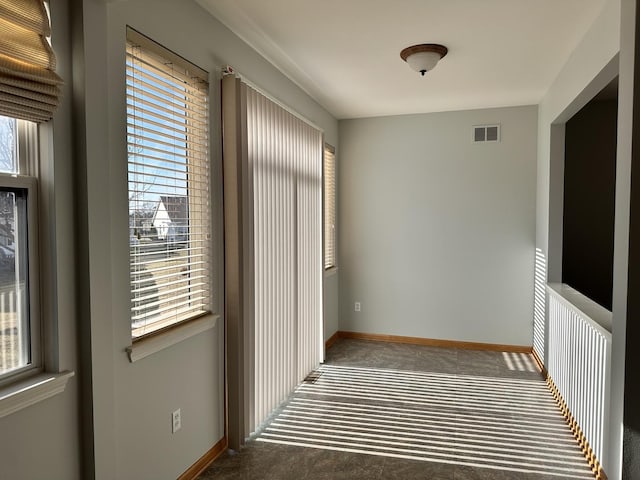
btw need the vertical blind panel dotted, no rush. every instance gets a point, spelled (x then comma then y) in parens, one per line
(285, 158)
(329, 208)
(29, 86)
(169, 211)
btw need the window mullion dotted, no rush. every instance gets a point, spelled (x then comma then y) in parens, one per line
(28, 155)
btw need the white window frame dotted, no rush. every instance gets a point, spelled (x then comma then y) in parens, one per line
(30, 185)
(33, 382)
(27, 147)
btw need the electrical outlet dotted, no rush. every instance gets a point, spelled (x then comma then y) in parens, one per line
(357, 307)
(176, 421)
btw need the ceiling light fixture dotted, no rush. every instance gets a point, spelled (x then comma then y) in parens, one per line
(424, 57)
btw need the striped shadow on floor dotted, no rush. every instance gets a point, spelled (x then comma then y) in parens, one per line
(494, 423)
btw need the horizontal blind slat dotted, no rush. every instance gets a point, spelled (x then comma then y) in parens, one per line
(144, 104)
(153, 161)
(149, 135)
(191, 280)
(178, 134)
(203, 184)
(175, 293)
(173, 97)
(185, 305)
(158, 271)
(150, 103)
(165, 71)
(172, 159)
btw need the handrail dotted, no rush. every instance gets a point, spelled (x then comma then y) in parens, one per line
(596, 315)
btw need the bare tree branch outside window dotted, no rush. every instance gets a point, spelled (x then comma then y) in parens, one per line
(8, 144)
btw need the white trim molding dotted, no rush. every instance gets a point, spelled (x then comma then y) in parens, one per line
(32, 390)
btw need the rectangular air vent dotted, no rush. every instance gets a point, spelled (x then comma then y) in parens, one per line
(486, 133)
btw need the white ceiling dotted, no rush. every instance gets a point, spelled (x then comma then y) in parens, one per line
(346, 53)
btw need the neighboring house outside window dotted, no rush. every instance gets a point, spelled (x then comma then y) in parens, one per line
(171, 220)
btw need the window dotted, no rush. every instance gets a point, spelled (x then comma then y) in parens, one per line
(30, 88)
(168, 185)
(329, 207)
(19, 318)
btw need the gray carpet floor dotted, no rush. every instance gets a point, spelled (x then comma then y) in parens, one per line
(390, 411)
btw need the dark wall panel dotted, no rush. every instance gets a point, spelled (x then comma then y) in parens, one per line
(589, 200)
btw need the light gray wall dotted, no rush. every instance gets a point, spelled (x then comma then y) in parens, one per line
(592, 64)
(436, 233)
(331, 310)
(131, 403)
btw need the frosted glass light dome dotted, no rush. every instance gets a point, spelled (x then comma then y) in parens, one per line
(423, 61)
(424, 57)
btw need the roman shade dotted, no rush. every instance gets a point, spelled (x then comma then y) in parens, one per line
(29, 86)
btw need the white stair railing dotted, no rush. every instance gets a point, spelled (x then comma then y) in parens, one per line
(579, 360)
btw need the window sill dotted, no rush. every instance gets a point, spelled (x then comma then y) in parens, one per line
(32, 390)
(330, 272)
(156, 343)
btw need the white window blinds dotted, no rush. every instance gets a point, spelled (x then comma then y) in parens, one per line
(168, 168)
(29, 86)
(329, 207)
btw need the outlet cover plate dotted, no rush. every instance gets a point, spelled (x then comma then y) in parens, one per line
(176, 421)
